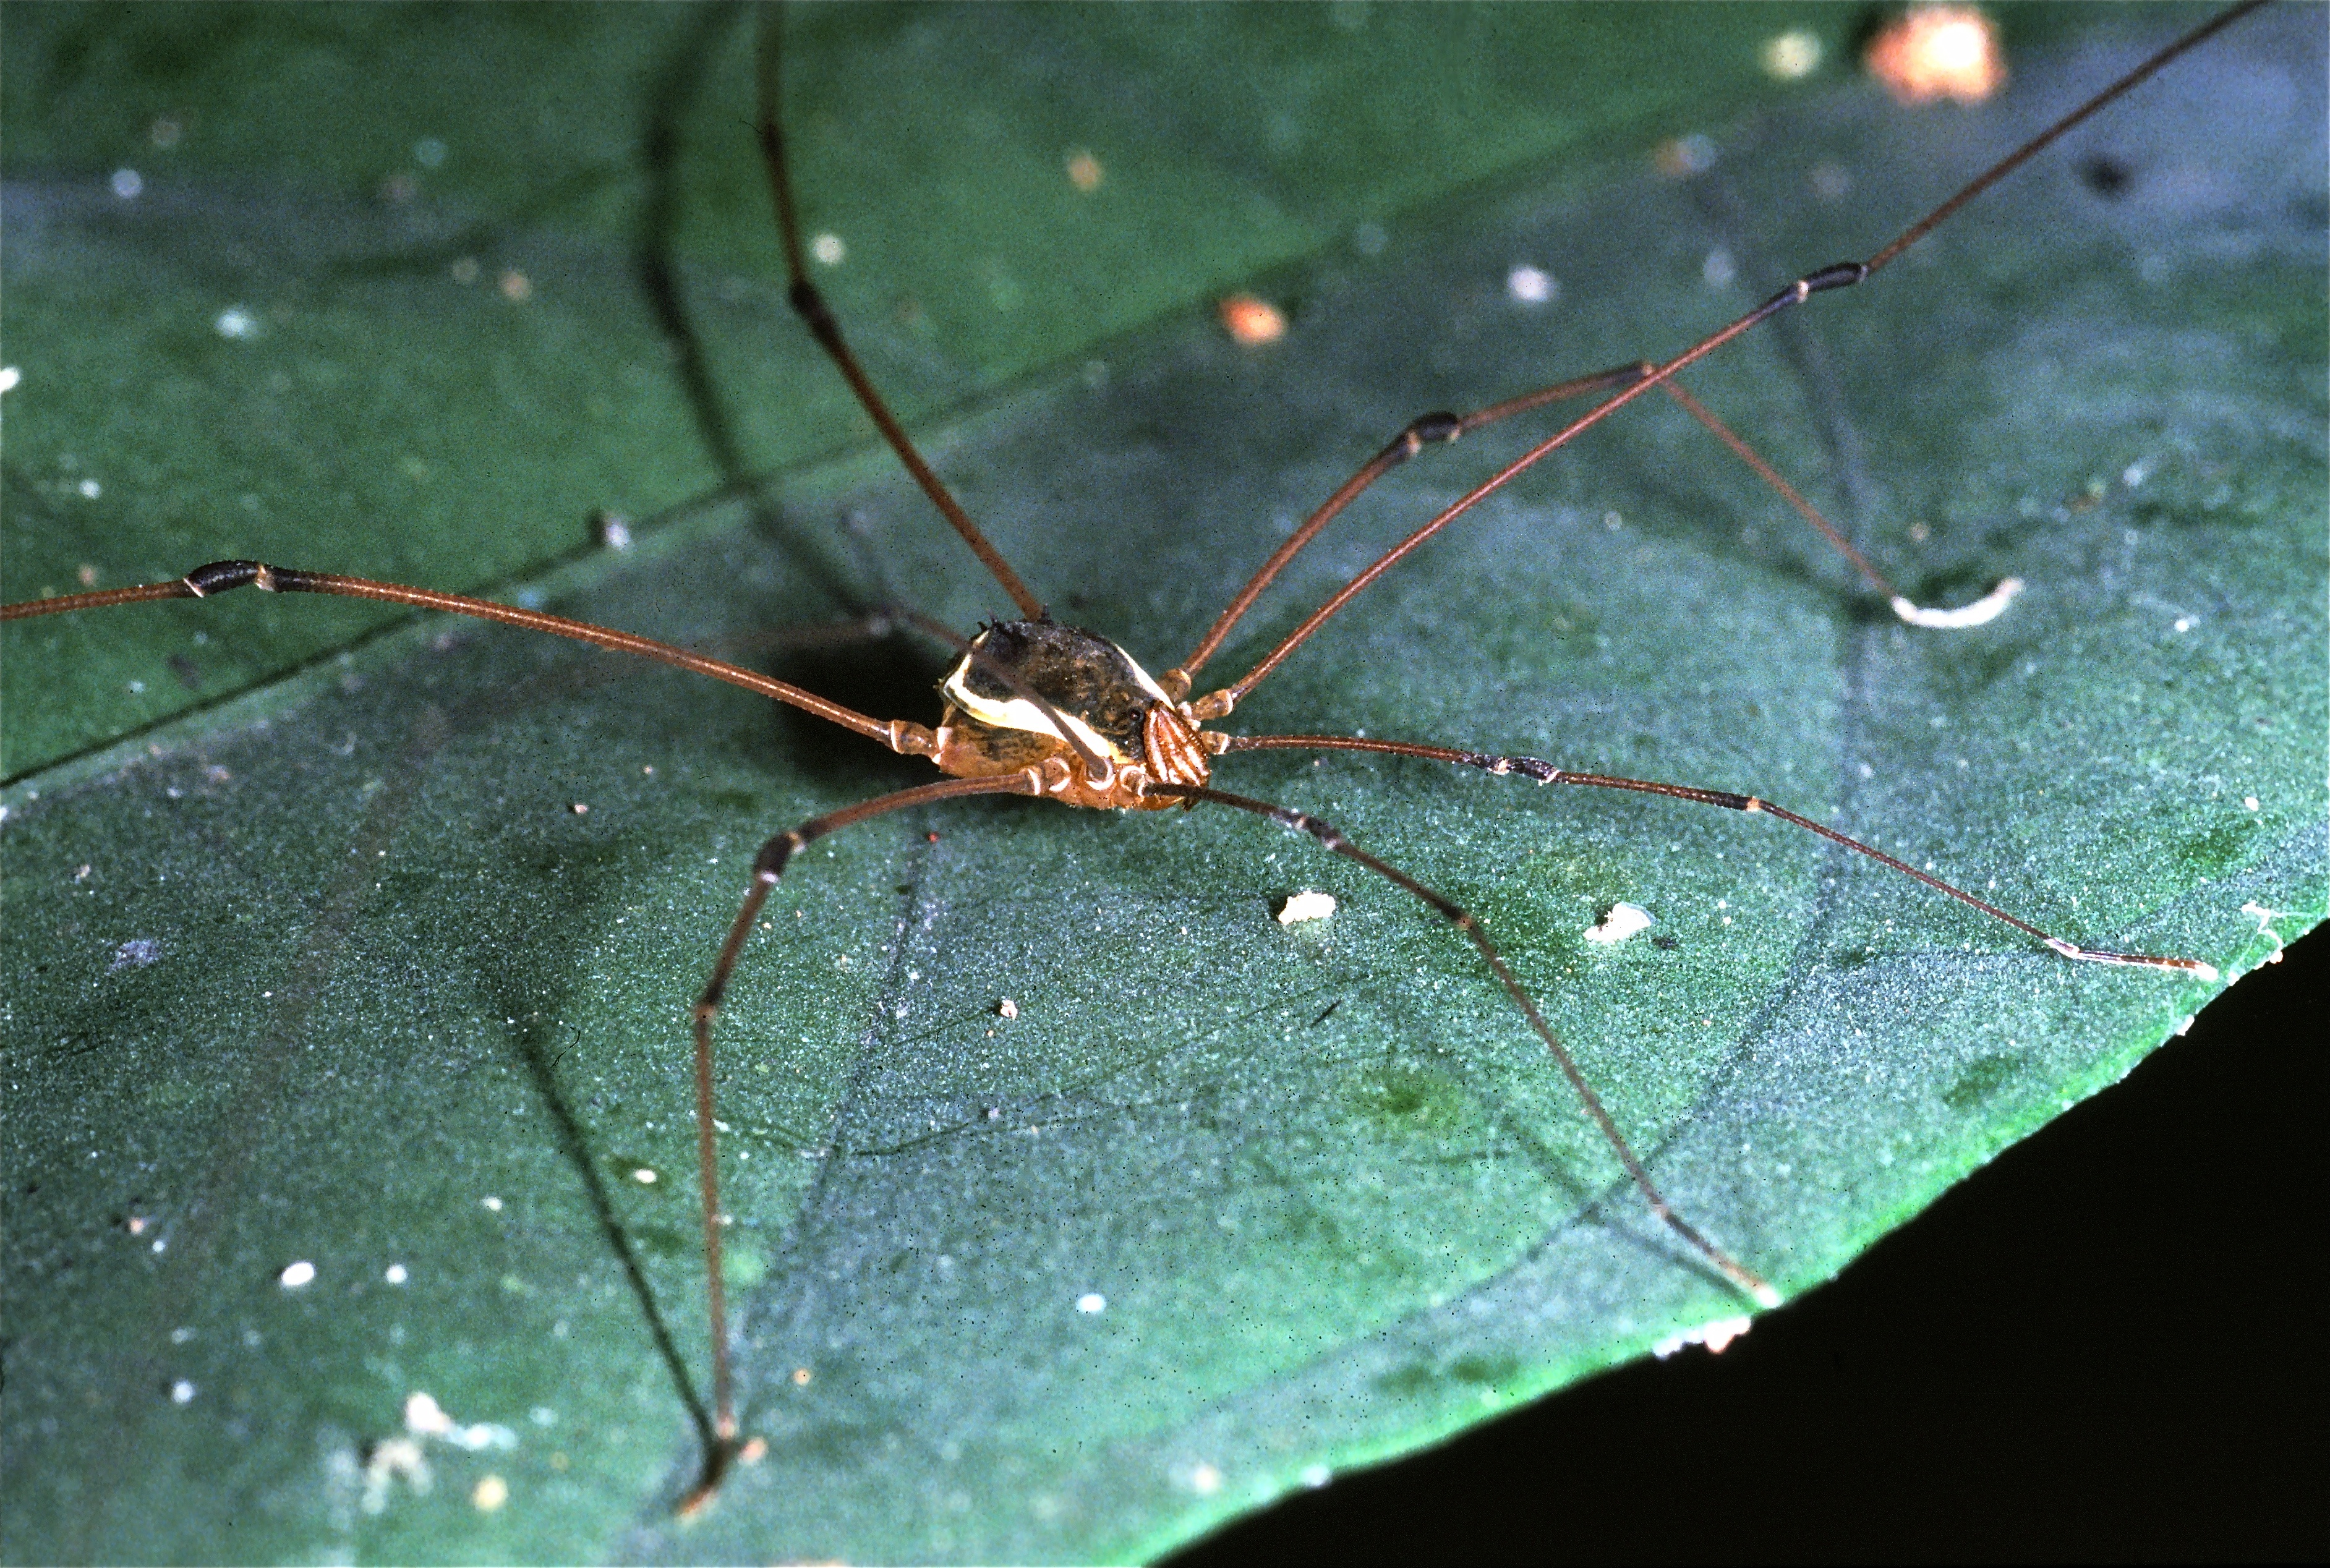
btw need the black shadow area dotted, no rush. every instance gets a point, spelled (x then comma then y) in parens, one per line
(2111, 1343)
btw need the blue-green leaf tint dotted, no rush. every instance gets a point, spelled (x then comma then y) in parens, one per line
(313, 975)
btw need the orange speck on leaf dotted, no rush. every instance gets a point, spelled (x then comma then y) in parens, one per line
(1251, 321)
(1937, 52)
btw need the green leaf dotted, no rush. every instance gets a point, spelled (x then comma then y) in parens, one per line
(322, 959)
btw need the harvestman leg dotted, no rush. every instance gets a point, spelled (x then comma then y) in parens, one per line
(768, 867)
(1331, 838)
(810, 306)
(1440, 429)
(1432, 428)
(900, 735)
(1545, 772)
(1632, 383)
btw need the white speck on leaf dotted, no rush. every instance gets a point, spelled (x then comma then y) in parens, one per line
(1715, 1335)
(1306, 906)
(135, 954)
(1624, 920)
(1532, 286)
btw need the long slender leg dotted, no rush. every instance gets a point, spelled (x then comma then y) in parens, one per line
(1545, 772)
(1439, 429)
(1840, 275)
(1980, 612)
(810, 305)
(909, 740)
(768, 866)
(1427, 429)
(1330, 838)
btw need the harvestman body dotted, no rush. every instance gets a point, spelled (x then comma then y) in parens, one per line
(1033, 707)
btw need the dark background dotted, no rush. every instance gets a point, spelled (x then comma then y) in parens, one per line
(2110, 1343)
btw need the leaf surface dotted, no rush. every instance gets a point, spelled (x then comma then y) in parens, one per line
(331, 972)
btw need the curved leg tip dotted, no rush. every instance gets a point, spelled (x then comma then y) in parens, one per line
(717, 1459)
(2199, 968)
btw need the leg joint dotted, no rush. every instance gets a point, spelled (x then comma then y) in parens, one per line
(1430, 428)
(1842, 275)
(769, 864)
(220, 576)
(810, 306)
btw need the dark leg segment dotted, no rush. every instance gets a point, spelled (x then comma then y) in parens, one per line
(1545, 772)
(1331, 838)
(768, 866)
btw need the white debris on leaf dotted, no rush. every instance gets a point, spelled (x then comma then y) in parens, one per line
(1532, 285)
(424, 1417)
(297, 1274)
(2265, 918)
(1981, 612)
(1715, 1335)
(1791, 56)
(134, 954)
(1306, 906)
(1624, 920)
(397, 1458)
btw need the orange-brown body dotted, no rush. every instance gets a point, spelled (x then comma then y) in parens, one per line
(1025, 688)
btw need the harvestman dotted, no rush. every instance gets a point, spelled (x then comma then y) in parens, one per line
(1038, 708)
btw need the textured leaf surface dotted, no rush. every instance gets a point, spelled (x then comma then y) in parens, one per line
(313, 974)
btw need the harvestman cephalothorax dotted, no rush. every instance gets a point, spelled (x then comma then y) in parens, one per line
(1037, 708)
